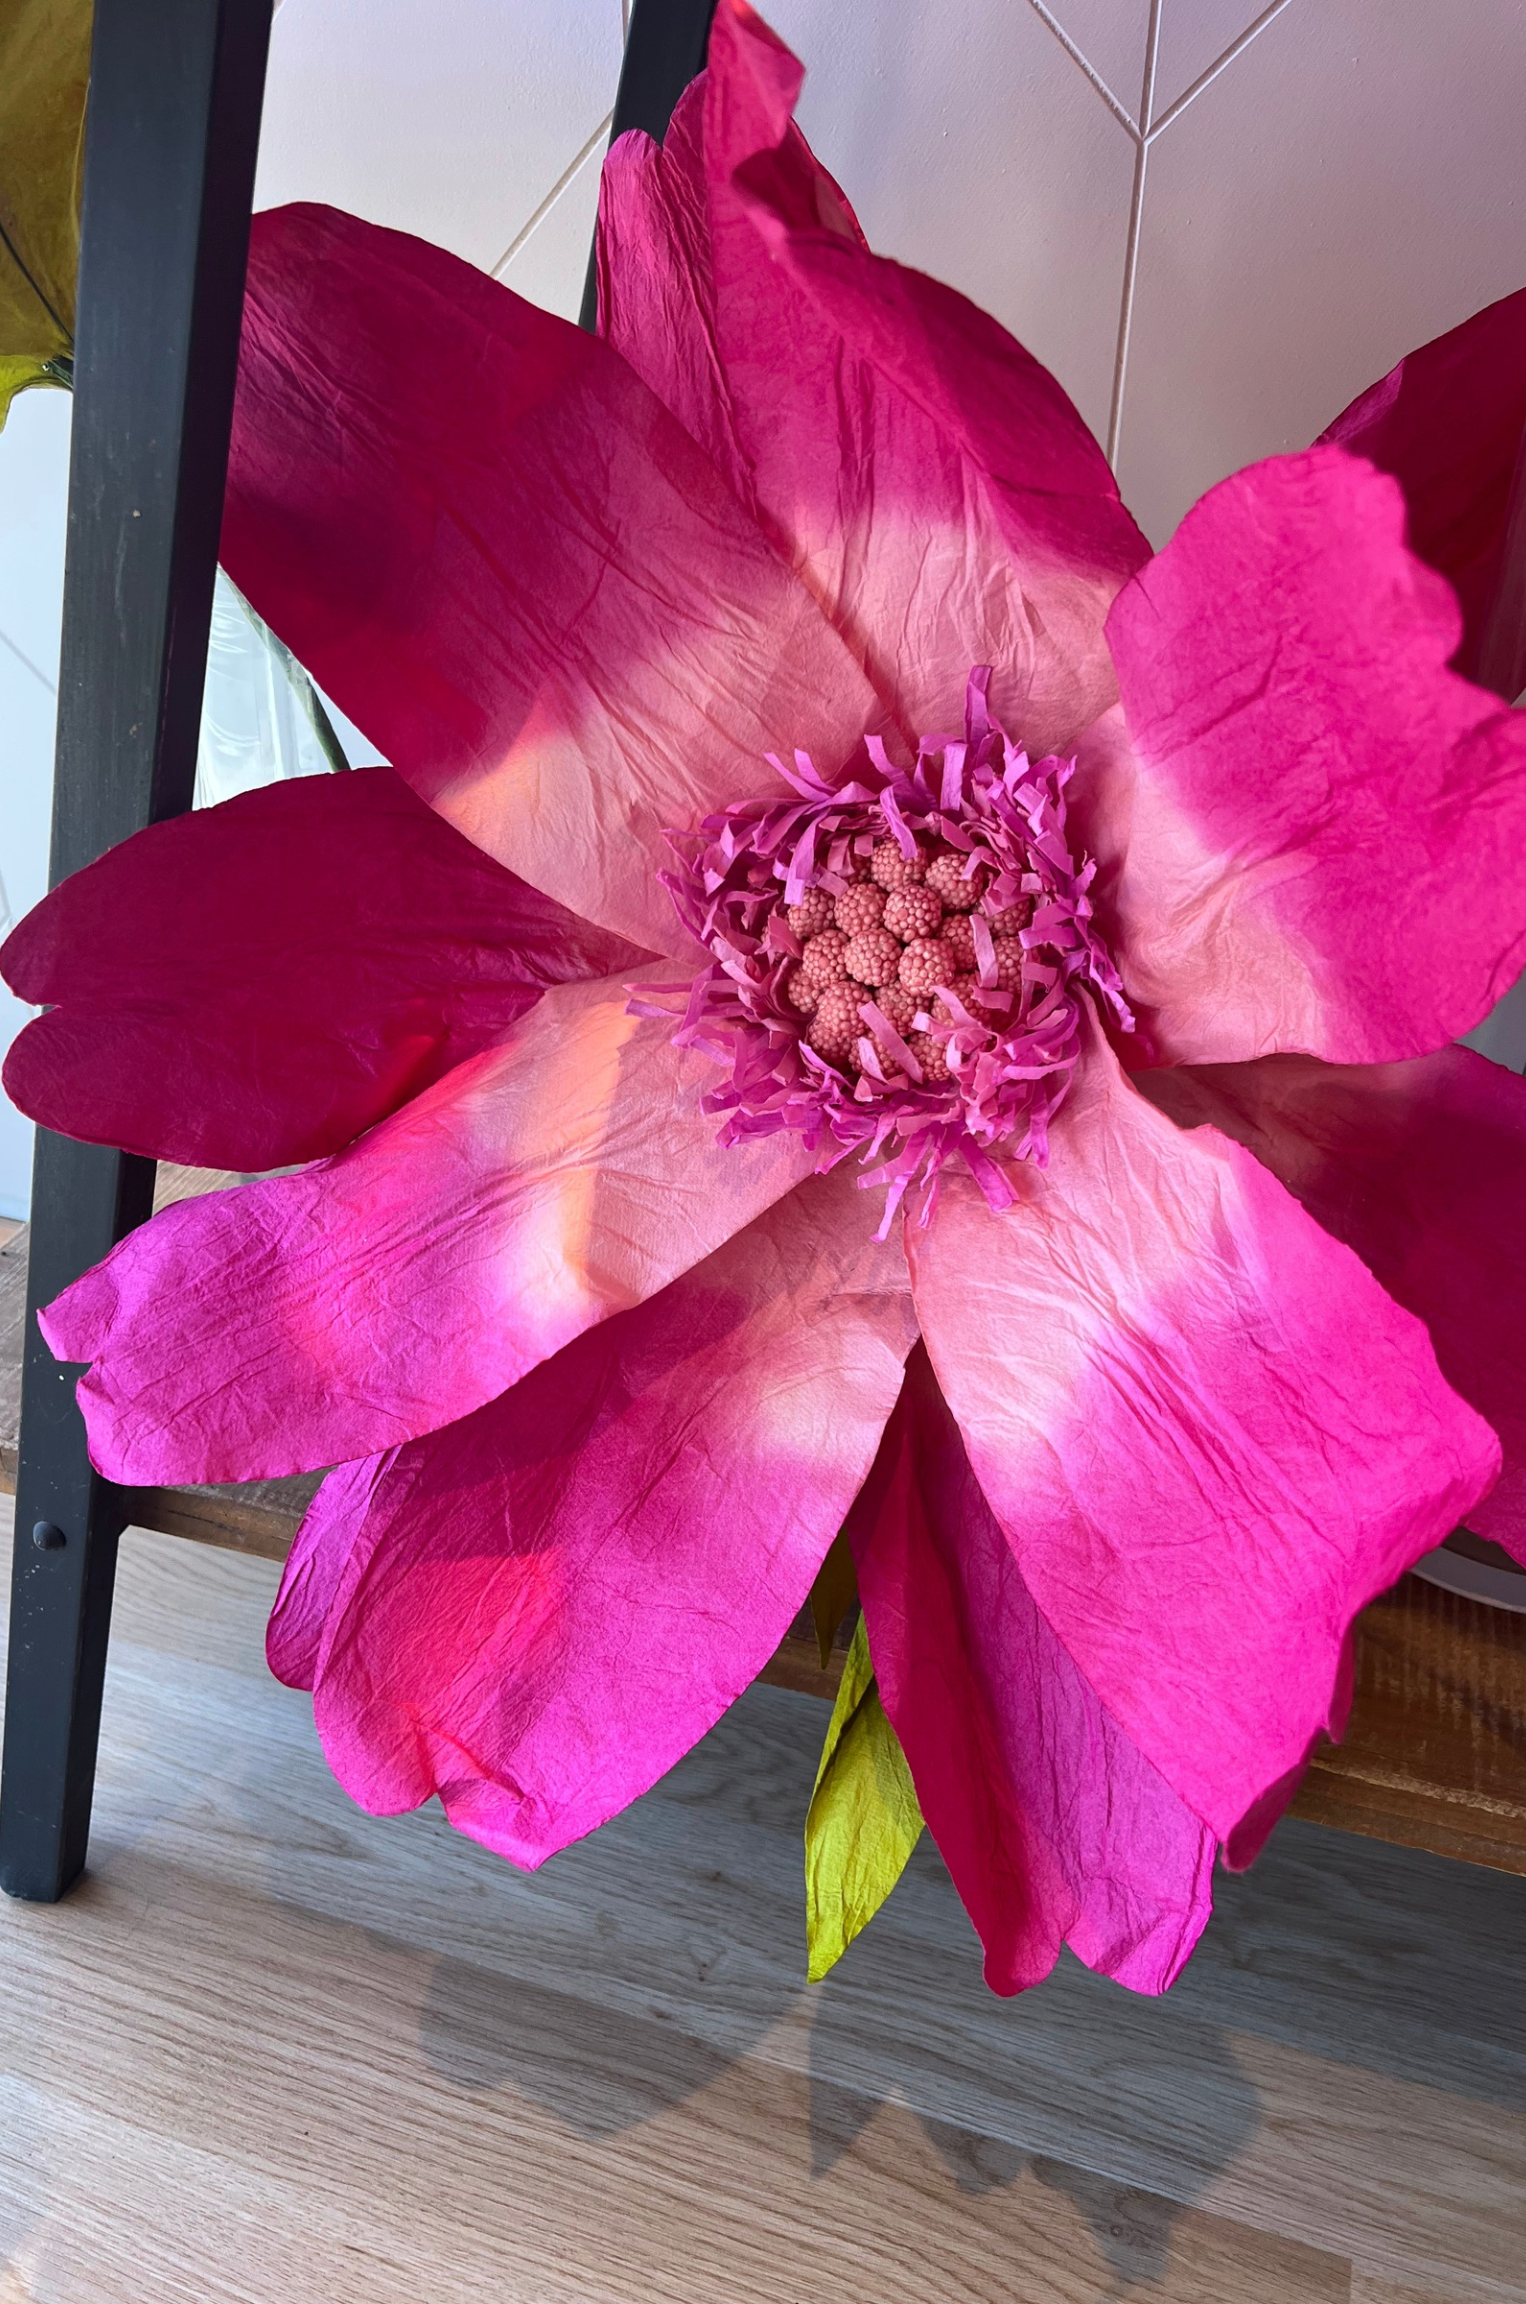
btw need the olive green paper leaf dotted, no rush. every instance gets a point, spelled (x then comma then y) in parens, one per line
(17, 372)
(44, 71)
(864, 1820)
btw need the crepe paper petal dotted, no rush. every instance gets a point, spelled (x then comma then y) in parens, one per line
(543, 1606)
(1448, 423)
(1421, 1168)
(1324, 848)
(1055, 1827)
(314, 1565)
(317, 1318)
(1244, 1844)
(833, 1595)
(863, 1821)
(502, 557)
(933, 483)
(1209, 1435)
(253, 984)
(44, 69)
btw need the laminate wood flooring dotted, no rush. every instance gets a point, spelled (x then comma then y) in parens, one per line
(272, 2049)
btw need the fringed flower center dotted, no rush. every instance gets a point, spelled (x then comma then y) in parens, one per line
(896, 961)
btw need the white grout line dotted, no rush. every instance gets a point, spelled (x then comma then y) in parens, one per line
(1151, 66)
(1236, 48)
(552, 197)
(1131, 250)
(7, 642)
(1119, 111)
(1126, 305)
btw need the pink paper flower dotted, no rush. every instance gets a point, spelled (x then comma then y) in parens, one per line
(587, 1285)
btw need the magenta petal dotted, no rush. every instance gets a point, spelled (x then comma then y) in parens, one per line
(1325, 847)
(1211, 1438)
(314, 1565)
(1055, 1827)
(542, 1607)
(1421, 1168)
(322, 1317)
(1448, 423)
(934, 485)
(499, 552)
(254, 984)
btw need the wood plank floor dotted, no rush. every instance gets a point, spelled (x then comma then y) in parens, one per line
(273, 2050)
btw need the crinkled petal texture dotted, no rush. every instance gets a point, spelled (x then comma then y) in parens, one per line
(535, 1612)
(1448, 423)
(317, 1318)
(933, 484)
(315, 1564)
(1312, 834)
(1211, 1438)
(1055, 1827)
(1421, 1168)
(494, 546)
(254, 984)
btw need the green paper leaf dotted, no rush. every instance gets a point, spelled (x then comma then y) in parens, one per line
(18, 372)
(44, 72)
(864, 1820)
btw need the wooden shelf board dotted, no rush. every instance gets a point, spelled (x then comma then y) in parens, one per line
(1435, 1755)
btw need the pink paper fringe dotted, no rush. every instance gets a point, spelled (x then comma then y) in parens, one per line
(979, 795)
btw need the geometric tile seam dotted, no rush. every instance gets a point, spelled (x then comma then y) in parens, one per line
(539, 215)
(1143, 132)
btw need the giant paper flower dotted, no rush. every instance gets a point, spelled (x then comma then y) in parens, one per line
(716, 1048)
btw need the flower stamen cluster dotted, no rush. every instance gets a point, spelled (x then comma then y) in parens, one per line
(897, 960)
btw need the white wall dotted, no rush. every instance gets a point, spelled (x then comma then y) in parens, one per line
(1322, 184)
(479, 124)
(1215, 239)
(34, 461)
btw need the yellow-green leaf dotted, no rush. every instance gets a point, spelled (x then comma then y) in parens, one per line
(17, 371)
(44, 70)
(832, 1595)
(864, 1820)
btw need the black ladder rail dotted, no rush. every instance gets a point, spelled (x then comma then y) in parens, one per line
(664, 50)
(171, 139)
(171, 134)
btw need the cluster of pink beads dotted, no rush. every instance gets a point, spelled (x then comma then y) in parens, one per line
(896, 934)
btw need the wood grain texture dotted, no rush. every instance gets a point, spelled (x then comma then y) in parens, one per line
(276, 2049)
(172, 1184)
(257, 1516)
(1365, 2291)
(1435, 1755)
